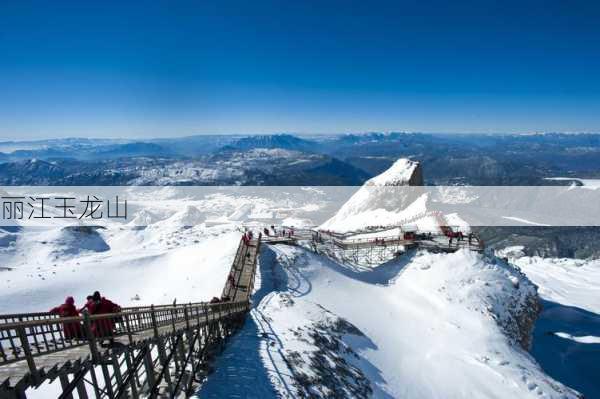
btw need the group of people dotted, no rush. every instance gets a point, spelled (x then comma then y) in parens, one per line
(459, 237)
(216, 299)
(96, 304)
(289, 233)
(379, 241)
(247, 237)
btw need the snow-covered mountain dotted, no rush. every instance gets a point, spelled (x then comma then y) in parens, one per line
(257, 166)
(390, 199)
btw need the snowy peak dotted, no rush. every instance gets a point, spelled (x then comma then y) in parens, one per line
(379, 204)
(403, 172)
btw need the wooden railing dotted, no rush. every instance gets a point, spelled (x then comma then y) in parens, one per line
(231, 290)
(30, 338)
(36, 316)
(421, 239)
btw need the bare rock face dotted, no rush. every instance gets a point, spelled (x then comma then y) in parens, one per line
(416, 179)
(526, 320)
(332, 372)
(519, 308)
(73, 240)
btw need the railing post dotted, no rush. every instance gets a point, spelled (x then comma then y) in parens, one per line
(164, 360)
(28, 354)
(64, 384)
(154, 324)
(197, 307)
(173, 317)
(87, 327)
(187, 317)
(149, 365)
(128, 328)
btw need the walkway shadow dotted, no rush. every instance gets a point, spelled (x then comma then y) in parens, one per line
(383, 274)
(272, 276)
(293, 278)
(575, 364)
(240, 371)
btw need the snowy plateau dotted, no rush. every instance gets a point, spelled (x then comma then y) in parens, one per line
(421, 325)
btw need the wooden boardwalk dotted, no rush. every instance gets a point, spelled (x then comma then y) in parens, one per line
(161, 351)
(243, 271)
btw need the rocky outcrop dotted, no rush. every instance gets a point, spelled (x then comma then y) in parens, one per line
(519, 308)
(332, 373)
(74, 240)
(580, 242)
(416, 179)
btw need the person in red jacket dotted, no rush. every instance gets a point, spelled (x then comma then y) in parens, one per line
(72, 329)
(231, 279)
(88, 304)
(103, 328)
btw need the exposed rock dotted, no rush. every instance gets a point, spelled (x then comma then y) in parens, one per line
(76, 239)
(549, 242)
(520, 308)
(332, 374)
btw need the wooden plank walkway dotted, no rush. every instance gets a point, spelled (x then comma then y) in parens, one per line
(36, 350)
(48, 364)
(245, 280)
(243, 271)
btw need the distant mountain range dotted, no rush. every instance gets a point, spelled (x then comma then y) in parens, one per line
(331, 159)
(322, 160)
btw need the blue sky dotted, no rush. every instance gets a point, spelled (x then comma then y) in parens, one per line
(135, 69)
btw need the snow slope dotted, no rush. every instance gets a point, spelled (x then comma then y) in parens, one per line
(571, 282)
(424, 326)
(158, 265)
(592, 184)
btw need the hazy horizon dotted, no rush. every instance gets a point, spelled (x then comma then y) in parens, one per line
(301, 134)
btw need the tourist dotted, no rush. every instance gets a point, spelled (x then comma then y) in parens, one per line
(72, 330)
(103, 327)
